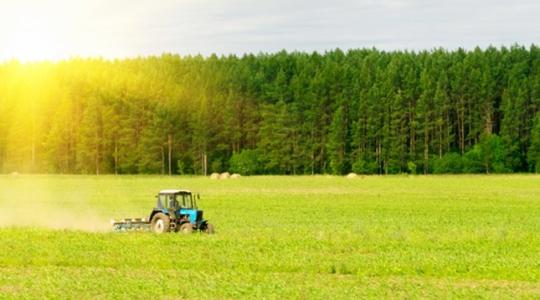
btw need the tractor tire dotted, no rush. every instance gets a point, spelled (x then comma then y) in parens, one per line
(209, 229)
(160, 223)
(186, 228)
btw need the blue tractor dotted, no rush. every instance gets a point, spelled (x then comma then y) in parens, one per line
(176, 211)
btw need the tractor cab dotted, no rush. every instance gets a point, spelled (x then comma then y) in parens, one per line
(172, 200)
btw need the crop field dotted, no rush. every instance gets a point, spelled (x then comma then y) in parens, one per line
(319, 237)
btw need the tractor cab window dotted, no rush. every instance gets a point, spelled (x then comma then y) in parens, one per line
(167, 201)
(187, 201)
(173, 203)
(161, 201)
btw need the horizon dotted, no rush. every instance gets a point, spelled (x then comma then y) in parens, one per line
(240, 55)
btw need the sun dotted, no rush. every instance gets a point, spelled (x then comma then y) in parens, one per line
(31, 44)
(29, 38)
(32, 31)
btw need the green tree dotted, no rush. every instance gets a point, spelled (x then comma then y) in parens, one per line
(449, 163)
(245, 162)
(492, 153)
(338, 142)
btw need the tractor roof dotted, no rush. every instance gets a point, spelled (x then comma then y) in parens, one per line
(174, 192)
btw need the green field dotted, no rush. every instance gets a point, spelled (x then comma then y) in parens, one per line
(277, 237)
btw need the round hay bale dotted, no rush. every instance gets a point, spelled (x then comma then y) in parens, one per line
(214, 176)
(351, 175)
(225, 175)
(235, 176)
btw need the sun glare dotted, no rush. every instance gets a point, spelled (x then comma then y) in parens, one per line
(31, 44)
(33, 30)
(29, 35)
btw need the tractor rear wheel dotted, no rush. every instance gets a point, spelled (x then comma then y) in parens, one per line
(186, 228)
(160, 223)
(209, 229)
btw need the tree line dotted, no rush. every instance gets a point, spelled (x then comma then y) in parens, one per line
(365, 111)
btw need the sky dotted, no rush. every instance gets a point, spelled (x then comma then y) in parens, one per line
(58, 29)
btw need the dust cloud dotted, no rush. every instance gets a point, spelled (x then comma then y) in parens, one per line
(42, 216)
(42, 208)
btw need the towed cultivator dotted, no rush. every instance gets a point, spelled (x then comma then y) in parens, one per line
(176, 210)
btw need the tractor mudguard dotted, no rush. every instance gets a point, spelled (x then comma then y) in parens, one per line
(155, 211)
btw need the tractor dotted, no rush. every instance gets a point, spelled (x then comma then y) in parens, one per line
(176, 211)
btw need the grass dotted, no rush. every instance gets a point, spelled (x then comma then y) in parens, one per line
(277, 237)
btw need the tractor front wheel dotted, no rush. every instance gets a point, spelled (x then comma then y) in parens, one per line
(186, 228)
(209, 229)
(160, 223)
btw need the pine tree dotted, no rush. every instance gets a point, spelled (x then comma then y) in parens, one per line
(90, 149)
(534, 149)
(337, 142)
